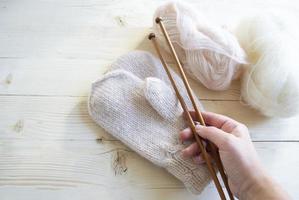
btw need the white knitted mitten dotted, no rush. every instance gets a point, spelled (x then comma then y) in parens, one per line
(142, 111)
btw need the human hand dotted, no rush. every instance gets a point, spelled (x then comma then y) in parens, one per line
(240, 160)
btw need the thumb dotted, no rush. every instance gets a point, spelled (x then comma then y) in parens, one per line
(213, 134)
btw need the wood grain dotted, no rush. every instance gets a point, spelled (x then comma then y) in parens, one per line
(66, 118)
(71, 77)
(51, 51)
(59, 165)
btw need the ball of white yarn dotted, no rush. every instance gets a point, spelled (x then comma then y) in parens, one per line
(269, 82)
(210, 54)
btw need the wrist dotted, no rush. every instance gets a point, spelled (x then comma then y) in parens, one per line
(254, 188)
(263, 187)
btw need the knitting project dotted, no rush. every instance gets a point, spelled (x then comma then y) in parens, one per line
(210, 54)
(135, 102)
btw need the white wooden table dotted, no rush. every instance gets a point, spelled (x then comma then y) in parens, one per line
(51, 51)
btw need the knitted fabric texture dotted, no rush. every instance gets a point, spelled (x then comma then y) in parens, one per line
(211, 54)
(136, 104)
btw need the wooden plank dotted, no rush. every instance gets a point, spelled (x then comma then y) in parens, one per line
(109, 167)
(105, 43)
(134, 193)
(66, 118)
(71, 77)
(70, 67)
(78, 43)
(121, 13)
(50, 148)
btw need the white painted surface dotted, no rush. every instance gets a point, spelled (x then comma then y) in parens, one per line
(51, 51)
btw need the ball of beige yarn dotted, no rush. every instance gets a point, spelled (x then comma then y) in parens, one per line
(210, 54)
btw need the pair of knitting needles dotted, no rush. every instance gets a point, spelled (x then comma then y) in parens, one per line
(199, 140)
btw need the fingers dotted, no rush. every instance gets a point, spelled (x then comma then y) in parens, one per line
(217, 120)
(213, 134)
(213, 119)
(196, 155)
(186, 134)
(198, 159)
(193, 115)
(191, 151)
(225, 123)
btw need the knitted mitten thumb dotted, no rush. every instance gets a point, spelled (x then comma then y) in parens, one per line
(146, 116)
(162, 98)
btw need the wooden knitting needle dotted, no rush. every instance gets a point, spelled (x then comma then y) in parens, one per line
(190, 120)
(213, 148)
